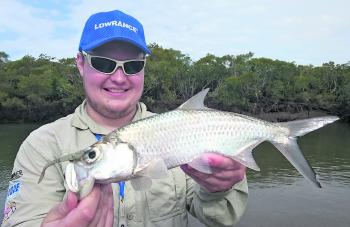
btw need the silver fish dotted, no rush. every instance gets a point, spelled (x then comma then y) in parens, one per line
(147, 148)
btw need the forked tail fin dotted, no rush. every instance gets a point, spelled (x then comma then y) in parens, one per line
(290, 148)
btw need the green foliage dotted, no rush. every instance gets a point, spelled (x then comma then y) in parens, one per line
(39, 89)
(44, 88)
(165, 67)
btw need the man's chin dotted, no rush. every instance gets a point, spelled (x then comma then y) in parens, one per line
(115, 112)
(114, 109)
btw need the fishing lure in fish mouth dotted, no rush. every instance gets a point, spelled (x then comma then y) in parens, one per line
(69, 157)
(145, 149)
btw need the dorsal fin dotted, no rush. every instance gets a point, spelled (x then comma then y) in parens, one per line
(196, 102)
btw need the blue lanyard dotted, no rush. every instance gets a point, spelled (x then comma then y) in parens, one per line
(122, 183)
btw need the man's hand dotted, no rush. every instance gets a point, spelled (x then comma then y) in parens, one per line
(96, 209)
(225, 173)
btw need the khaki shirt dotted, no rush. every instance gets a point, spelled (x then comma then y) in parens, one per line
(165, 204)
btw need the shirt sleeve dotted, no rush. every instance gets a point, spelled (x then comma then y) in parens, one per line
(219, 208)
(28, 202)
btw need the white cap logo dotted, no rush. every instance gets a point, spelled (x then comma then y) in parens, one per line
(115, 23)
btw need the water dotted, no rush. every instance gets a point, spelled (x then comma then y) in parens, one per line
(279, 196)
(11, 137)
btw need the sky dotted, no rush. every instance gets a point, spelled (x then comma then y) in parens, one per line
(301, 31)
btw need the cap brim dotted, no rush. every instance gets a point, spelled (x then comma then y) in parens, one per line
(94, 45)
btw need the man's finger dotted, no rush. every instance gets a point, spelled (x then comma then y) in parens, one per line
(222, 162)
(62, 209)
(110, 207)
(101, 217)
(85, 212)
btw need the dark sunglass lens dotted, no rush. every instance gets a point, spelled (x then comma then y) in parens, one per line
(102, 64)
(133, 67)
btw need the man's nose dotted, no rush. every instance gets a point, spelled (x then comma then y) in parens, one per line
(118, 76)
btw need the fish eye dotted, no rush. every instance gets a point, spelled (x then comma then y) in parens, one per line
(91, 156)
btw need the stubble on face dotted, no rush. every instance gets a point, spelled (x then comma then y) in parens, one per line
(102, 107)
(109, 111)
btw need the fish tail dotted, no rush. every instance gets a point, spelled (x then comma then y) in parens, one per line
(302, 127)
(292, 152)
(290, 149)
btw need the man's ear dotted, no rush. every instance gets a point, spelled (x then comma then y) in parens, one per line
(80, 63)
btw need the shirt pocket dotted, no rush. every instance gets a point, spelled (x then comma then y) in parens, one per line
(166, 197)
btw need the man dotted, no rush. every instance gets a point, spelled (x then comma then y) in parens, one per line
(111, 61)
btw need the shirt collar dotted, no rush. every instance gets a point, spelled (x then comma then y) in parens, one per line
(83, 121)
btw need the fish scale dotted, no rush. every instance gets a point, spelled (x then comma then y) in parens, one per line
(196, 132)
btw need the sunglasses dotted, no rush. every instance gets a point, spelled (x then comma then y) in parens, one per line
(109, 66)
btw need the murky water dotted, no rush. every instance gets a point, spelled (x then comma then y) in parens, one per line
(279, 195)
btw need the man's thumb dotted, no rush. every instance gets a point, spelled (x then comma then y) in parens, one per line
(62, 209)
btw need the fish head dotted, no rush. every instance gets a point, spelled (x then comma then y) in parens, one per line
(102, 162)
(107, 162)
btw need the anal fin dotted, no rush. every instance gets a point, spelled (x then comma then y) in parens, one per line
(201, 164)
(245, 155)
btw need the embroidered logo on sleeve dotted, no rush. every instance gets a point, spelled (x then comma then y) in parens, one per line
(14, 188)
(10, 204)
(16, 175)
(10, 208)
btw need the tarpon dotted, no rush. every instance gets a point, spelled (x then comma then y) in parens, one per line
(147, 148)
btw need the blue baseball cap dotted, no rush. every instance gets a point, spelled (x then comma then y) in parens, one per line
(104, 27)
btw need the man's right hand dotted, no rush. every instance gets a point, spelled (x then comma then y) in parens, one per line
(94, 210)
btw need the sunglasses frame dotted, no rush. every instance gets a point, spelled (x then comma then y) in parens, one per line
(118, 63)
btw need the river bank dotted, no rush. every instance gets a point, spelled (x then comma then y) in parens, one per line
(285, 116)
(272, 117)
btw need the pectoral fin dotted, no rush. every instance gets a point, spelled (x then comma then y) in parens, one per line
(156, 169)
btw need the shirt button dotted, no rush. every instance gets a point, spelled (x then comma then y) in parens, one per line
(130, 216)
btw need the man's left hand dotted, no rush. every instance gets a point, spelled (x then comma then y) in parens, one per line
(226, 172)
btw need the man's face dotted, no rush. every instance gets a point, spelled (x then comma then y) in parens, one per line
(115, 95)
